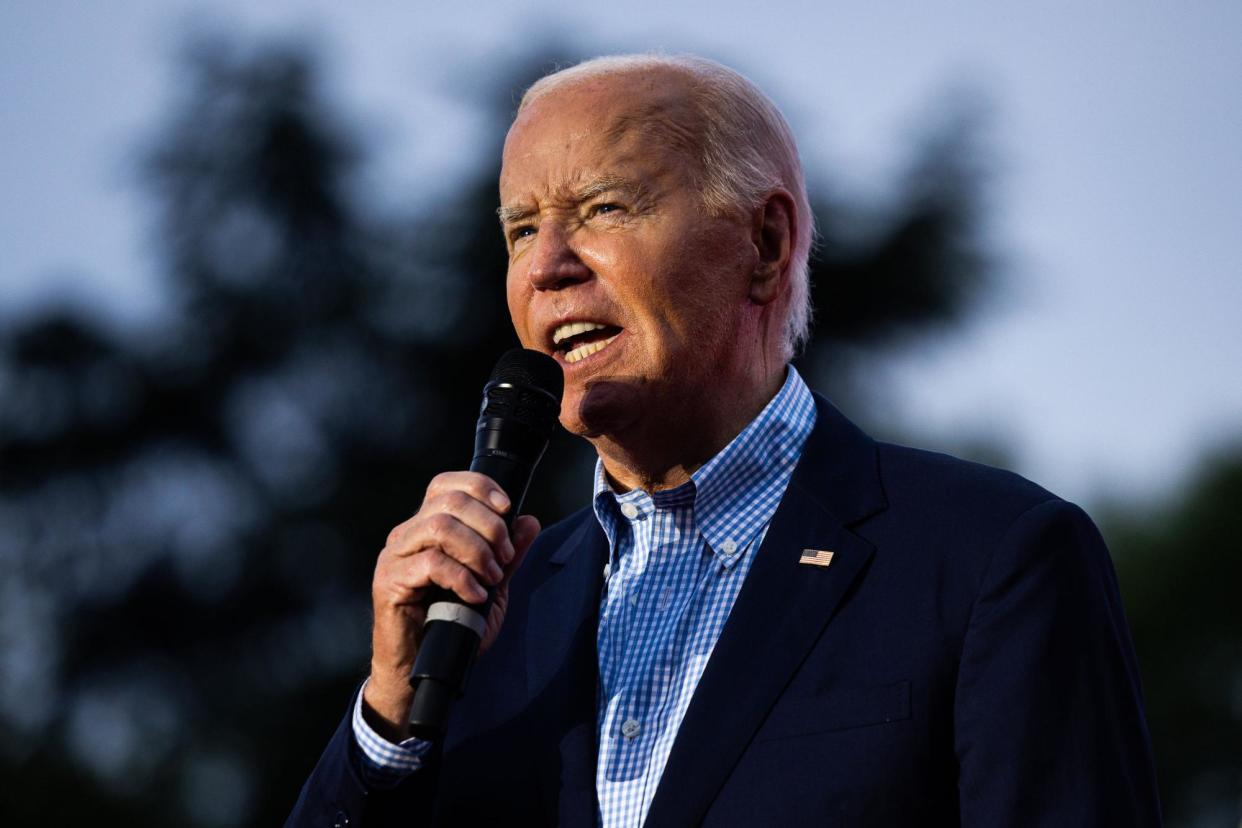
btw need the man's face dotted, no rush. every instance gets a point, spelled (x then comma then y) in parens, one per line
(615, 268)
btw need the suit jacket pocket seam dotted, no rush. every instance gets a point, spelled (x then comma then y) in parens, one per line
(837, 710)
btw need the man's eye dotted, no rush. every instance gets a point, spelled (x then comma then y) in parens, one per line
(605, 208)
(521, 232)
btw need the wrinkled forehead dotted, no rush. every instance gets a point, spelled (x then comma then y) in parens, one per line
(627, 118)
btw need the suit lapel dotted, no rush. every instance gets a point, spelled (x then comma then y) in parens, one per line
(562, 668)
(781, 611)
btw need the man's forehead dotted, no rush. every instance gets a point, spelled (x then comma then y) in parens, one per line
(644, 102)
(578, 141)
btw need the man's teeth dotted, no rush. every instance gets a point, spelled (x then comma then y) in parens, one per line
(586, 349)
(573, 329)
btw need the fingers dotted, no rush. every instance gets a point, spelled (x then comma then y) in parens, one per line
(401, 580)
(458, 540)
(460, 515)
(447, 534)
(450, 574)
(479, 486)
(479, 517)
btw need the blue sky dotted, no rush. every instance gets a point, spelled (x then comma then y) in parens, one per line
(1111, 363)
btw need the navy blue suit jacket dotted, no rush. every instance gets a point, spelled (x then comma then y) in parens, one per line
(964, 660)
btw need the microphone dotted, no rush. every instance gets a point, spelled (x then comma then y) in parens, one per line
(521, 404)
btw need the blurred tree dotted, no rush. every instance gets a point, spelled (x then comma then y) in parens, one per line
(189, 515)
(905, 273)
(1180, 568)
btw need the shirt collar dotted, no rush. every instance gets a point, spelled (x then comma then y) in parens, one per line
(735, 494)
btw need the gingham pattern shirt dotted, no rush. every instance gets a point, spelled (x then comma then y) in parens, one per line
(677, 562)
(678, 559)
(385, 763)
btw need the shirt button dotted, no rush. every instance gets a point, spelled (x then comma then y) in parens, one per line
(629, 510)
(633, 599)
(728, 547)
(630, 729)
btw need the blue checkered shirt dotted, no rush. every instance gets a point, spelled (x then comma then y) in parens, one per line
(677, 562)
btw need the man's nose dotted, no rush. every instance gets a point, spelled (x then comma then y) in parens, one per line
(555, 264)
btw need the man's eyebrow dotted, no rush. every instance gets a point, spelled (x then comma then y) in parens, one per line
(508, 215)
(592, 189)
(606, 184)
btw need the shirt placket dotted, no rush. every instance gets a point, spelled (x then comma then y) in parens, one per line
(620, 758)
(632, 725)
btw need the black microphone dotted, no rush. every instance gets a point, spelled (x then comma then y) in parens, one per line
(521, 404)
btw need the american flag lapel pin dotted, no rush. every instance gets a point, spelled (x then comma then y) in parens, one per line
(816, 557)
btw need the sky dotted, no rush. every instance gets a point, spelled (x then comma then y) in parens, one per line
(1111, 361)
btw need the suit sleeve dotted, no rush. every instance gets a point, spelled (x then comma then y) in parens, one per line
(337, 794)
(1049, 724)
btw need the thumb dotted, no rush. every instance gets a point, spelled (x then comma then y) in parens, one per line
(525, 530)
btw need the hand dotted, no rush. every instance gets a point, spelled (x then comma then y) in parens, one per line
(458, 541)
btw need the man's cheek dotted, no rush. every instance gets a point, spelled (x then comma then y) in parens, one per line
(517, 318)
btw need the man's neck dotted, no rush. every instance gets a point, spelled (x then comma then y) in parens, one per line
(663, 454)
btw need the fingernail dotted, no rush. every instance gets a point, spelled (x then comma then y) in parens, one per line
(507, 551)
(498, 500)
(495, 572)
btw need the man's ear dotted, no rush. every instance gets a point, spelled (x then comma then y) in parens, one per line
(774, 226)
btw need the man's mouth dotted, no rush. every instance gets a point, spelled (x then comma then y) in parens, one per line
(578, 340)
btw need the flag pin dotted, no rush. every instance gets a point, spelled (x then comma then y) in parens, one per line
(816, 557)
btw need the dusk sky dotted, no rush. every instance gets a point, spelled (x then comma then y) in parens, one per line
(1112, 359)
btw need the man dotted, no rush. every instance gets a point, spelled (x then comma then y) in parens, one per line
(765, 617)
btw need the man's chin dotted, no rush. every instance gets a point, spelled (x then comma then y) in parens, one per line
(603, 407)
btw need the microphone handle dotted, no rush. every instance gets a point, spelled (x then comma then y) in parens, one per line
(453, 630)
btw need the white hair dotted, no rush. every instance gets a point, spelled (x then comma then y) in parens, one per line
(746, 150)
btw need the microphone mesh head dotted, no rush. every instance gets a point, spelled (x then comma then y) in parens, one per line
(536, 384)
(521, 366)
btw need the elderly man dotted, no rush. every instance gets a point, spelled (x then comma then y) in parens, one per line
(764, 617)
